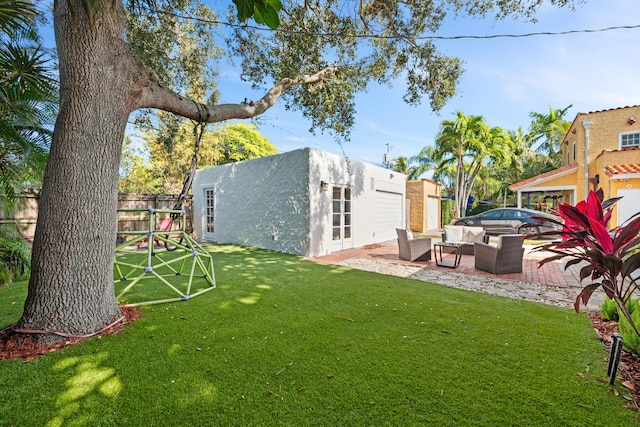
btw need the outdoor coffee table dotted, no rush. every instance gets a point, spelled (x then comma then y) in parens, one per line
(455, 248)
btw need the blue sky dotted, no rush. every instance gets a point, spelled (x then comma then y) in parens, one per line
(505, 79)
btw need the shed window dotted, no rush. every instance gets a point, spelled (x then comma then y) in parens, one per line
(629, 140)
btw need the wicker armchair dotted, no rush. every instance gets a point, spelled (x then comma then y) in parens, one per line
(502, 259)
(413, 249)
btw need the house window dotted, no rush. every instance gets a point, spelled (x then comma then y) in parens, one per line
(209, 197)
(574, 151)
(567, 158)
(629, 140)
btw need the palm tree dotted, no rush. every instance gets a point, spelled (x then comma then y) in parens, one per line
(549, 129)
(520, 157)
(27, 109)
(28, 99)
(426, 161)
(15, 15)
(422, 162)
(469, 143)
(401, 164)
(445, 175)
(488, 184)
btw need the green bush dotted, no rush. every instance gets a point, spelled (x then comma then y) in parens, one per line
(609, 310)
(447, 206)
(630, 338)
(15, 258)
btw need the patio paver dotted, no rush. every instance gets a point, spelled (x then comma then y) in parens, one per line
(549, 283)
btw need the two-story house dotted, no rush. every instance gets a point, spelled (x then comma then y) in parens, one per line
(601, 149)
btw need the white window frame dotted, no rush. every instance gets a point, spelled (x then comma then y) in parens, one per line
(209, 211)
(575, 148)
(342, 217)
(636, 140)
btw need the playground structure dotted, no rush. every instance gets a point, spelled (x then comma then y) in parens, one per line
(156, 263)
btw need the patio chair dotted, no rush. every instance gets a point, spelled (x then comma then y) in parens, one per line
(411, 249)
(502, 259)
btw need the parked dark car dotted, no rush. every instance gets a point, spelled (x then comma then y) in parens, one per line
(511, 220)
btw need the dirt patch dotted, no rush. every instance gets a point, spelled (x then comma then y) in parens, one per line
(14, 345)
(629, 366)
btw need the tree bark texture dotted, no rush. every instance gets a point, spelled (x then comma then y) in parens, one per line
(71, 287)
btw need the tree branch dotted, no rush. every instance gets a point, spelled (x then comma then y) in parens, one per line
(157, 96)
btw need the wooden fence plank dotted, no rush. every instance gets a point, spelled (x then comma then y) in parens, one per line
(27, 212)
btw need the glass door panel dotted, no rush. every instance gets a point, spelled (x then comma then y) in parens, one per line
(341, 217)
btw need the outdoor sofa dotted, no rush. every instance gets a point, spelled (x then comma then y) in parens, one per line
(465, 235)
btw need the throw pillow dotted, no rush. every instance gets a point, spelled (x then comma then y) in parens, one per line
(473, 234)
(453, 233)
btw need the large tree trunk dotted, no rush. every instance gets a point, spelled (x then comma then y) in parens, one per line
(101, 82)
(71, 289)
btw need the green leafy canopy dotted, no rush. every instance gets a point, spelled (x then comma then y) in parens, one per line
(263, 11)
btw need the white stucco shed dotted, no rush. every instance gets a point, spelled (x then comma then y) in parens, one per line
(305, 202)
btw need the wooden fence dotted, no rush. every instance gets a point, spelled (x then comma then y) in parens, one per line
(27, 212)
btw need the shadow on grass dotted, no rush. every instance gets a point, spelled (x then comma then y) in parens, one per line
(284, 341)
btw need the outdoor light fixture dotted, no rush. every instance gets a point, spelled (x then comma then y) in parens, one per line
(324, 186)
(614, 356)
(631, 121)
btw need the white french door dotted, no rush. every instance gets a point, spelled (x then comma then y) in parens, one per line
(209, 214)
(341, 217)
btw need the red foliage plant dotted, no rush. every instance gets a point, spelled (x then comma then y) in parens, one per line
(612, 256)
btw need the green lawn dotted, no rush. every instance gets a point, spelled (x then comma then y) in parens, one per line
(284, 341)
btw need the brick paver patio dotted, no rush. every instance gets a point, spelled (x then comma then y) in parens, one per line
(549, 274)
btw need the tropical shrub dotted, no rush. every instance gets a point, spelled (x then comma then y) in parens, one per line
(630, 339)
(447, 206)
(611, 257)
(15, 257)
(609, 310)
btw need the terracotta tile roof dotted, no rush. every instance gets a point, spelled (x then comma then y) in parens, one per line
(575, 119)
(622, 169)
(611, 109)
(630, 150)
(544, 176)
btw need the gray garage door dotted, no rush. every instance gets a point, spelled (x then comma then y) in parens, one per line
(388, 215)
